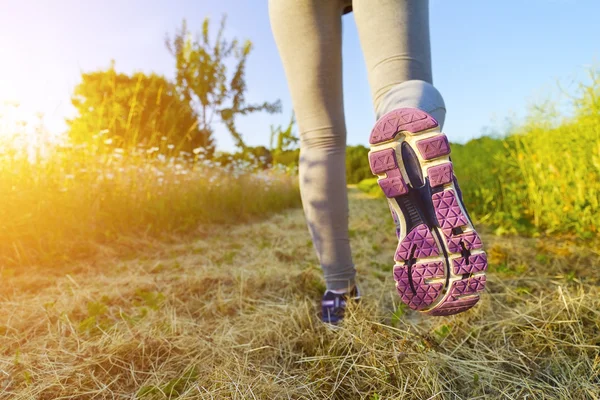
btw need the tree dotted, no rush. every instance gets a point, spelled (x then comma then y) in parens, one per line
(203, 80)
(136, 108)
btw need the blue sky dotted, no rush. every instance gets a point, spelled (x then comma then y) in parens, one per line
(491, 59)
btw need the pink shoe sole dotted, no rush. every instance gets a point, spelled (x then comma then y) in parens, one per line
(440, 265)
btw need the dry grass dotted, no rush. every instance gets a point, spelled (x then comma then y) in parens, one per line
(232, 314)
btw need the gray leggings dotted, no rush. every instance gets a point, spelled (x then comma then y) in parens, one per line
(394, 36)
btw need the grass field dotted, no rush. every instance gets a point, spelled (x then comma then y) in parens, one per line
(146, 272)
(81, 200)
(230, 312)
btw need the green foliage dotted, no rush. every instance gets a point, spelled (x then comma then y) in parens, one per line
(442, 331)
(542, 178)
(283, 139)
(202, 77)
(289, 158)
(398, 315)
(95, 319)
(357, 164)
(283, 144)
(134, 109)
(370, 186)
(258, 157)
(171, 389)
(152, 300)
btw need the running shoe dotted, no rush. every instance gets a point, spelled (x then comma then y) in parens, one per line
(334, 305)
(439, 262)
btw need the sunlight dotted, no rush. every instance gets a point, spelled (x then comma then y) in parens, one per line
(23, 130)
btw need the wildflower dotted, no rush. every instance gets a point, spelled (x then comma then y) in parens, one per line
(108, 141)
(170, 146)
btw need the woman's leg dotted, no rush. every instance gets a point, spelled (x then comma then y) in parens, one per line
(439, 262)
(394, 36)
(308, 36)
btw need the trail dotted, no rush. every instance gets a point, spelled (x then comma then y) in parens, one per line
(231, 313)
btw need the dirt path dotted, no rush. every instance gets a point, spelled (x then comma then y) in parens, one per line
(232, 314)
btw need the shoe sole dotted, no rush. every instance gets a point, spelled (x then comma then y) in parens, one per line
(440, 265)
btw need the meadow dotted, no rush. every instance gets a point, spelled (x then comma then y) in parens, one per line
(539, 179)
(154, 273)
(75, 200)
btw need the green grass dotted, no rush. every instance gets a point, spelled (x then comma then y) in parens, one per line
(542, 178)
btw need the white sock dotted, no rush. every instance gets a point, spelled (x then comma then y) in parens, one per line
(339, 291)
(415, 94)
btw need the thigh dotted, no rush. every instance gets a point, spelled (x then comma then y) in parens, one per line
(308, 36)
(394, 36)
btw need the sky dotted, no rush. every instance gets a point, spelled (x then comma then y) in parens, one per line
(491, 59)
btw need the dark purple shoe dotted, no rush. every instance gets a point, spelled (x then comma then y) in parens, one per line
(333, 305)
(440, 265)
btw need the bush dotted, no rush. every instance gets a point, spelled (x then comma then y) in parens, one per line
(357, 164)
(289, 158)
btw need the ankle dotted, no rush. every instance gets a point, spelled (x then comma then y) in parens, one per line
(413, 94)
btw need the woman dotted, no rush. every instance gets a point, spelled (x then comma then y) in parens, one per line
(439, 265)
